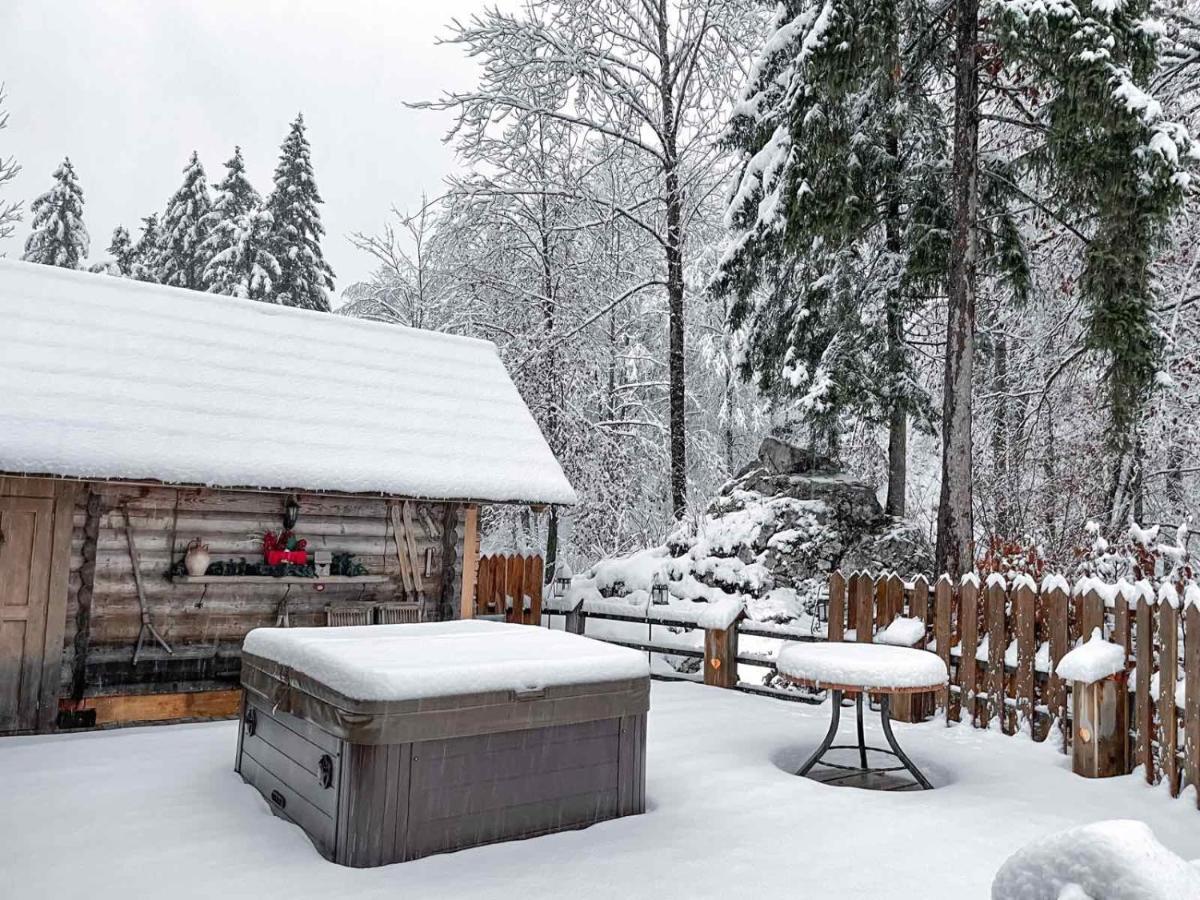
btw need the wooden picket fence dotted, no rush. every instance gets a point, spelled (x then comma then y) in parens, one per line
(1002, 644)
(510, 586)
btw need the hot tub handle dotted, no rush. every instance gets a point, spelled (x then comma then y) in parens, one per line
(325, 765)
(251, 721)
(530, 694)
(278, 799)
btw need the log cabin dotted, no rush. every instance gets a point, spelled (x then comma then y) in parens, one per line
(138, 420)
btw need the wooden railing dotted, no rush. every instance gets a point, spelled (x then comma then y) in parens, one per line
(510, 586)
(1001, 645)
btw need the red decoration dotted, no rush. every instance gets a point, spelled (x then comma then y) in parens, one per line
(284, 548)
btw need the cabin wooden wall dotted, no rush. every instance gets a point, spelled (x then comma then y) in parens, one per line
(205, 624)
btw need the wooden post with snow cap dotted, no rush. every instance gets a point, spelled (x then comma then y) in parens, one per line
(720, 624)
(1058, 610)
(1168, 673)
(1096, 669)
(943, 636)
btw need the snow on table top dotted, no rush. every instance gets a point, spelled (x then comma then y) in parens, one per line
(865, 665)
(1092, 661)
(104, 377)
(441, 659)
(1114, 860)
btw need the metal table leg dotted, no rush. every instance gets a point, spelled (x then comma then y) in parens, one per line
(886, 719)
(862, 740)
(836, 696)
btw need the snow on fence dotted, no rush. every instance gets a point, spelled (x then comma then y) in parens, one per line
(510, 586)
(1001, 641)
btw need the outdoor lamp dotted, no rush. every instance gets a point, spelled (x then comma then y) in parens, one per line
(291, 512)
(658, 591)
(562, 580)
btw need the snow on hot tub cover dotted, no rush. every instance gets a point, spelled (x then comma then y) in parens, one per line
(443, 659)
(867, 665)
(108, 378)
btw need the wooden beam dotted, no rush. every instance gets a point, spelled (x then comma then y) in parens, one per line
(122, 709)
(470, 562)
(56, 607)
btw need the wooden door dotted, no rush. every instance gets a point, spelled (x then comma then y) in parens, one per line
(26, 545)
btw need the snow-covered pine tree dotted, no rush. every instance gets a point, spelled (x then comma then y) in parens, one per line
(238, 244)
(120, 248)
(840, 217)
(144, 262)
(59, 237)
(305, 279)
(183, 258)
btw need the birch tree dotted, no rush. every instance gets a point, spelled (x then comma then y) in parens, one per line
(651, 76)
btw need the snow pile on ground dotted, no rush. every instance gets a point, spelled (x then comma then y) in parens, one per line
(1113, 860)
(869, 665)
(725, 818)
(442, 659)
(1092, 661)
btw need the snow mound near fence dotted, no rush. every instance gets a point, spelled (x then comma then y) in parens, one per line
(1120, 859)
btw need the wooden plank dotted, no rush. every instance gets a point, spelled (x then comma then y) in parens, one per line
(1025, 610)
(1168, 673)
(514, 589)
(282, 579)
(1058, 610)
(470, 561)
(1143, 702)
(943, 594)
(852, 602)
(1091, 615)
(720, 656)
(407, 574)
(883, 616)
(84, 595)
(919, 605)
(863, 604)
(969, 623)
(537, 583)
(1191, 699)
(415, 563)
(997, 644)
(129, 708)
(837, 606)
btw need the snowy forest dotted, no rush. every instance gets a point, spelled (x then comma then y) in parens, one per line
(953, 245)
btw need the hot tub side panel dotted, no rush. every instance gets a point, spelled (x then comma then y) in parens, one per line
(406, 801)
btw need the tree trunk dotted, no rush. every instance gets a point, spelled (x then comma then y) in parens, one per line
(954, 537)
(1001, 440)
(898, 416)
(674, 253)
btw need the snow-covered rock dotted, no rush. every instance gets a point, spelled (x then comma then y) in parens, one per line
(1113, 860)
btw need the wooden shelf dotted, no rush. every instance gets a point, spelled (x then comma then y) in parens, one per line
(282, 579)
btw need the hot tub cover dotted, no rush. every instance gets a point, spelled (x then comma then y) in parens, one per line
(394, 683)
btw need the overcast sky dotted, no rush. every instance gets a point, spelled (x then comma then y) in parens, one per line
(128, 88)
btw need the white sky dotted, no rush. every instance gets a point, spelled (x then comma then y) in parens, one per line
(127, 88)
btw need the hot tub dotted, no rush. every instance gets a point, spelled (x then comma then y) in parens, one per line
(387, 743)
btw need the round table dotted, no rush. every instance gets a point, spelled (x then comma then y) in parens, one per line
(860, 668)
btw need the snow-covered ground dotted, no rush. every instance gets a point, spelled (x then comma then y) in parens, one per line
(159, 812)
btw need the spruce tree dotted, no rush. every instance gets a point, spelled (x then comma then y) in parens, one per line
(144, 264)
(59, 237)
(296, 231)
(238, 245)
(185, 227)
(120, 248)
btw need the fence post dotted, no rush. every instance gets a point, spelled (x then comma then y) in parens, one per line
(996, 599)
(576, 619)
(968, 621)
(720, 656)
(1144, 703)
(1025, 607)
(943, 595)
(1191, 695)
(1168, 713)
(1058, 611)
(836, 627)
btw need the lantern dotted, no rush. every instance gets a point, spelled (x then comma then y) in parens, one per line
(562, 580)
(291, 512)
(658, 590)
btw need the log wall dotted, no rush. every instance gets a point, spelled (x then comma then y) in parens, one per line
(205, 623)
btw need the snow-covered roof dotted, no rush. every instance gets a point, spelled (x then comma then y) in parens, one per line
(107, 378)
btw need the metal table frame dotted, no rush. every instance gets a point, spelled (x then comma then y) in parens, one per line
(827, 743)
